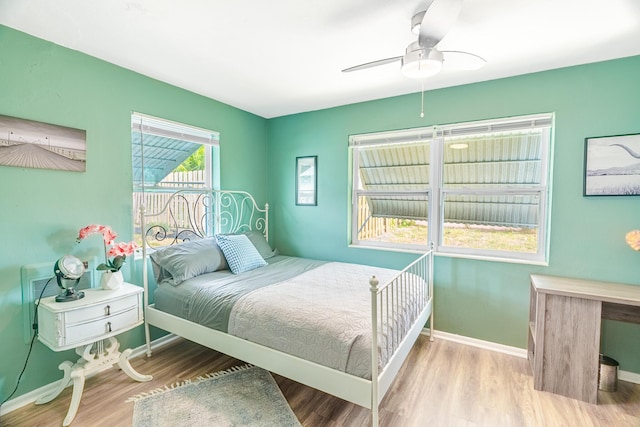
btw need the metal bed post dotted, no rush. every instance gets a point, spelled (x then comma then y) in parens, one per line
(266, 222)
(431, 328)
(145, 275)
(373, 282)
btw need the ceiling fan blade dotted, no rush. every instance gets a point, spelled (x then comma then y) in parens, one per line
(457, 60)
(372, 64)
(437, 20)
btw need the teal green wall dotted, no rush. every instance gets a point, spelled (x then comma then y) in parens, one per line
(480, 299)
(45, 82)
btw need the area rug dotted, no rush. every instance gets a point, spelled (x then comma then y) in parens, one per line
(241, 396)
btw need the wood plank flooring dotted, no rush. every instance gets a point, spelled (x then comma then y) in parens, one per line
(441, 384)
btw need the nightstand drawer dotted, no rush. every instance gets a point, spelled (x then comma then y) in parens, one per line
(101, 310)
(105, 326)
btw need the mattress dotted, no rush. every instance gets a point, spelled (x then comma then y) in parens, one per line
(319, 311)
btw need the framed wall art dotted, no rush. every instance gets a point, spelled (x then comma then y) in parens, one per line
(31, 144)
(307, 180)
(612, 165)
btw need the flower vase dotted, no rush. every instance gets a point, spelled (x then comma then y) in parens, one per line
(111, 280)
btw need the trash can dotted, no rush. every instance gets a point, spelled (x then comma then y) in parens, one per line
(608, 374)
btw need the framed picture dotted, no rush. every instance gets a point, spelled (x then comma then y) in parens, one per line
(30, 144)
(307, 180)
(612, 165)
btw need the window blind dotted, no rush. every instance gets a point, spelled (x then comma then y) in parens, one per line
(537, 121)
(149, 125)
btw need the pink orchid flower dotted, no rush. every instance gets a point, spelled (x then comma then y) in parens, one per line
(118, 251)
(107, 233)
(123, 249)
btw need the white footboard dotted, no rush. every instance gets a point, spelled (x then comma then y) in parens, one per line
(399, 311)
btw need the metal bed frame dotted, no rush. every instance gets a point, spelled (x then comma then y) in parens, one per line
(198, 214)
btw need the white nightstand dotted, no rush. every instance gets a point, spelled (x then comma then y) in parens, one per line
(90, 325)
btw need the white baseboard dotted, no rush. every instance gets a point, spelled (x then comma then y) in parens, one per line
(34, 395)
(27, 398)
(155, 344)
(487, 345)
(631, 377)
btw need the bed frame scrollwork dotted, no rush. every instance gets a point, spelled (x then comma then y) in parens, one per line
(193, 214)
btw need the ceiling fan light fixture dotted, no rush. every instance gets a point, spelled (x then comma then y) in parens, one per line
(421, 69)
(419, 62)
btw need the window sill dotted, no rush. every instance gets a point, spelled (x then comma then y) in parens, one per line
(455, 255)
(492, 259)
(388, 249)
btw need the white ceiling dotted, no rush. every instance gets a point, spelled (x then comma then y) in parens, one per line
(278, 57)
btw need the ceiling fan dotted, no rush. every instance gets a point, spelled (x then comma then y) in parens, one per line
(422, 57)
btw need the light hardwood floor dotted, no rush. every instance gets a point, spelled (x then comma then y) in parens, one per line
(441, 384)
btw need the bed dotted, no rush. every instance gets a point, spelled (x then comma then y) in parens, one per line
(341, 328)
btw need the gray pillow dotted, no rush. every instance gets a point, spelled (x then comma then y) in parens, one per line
(261, 244)
(177, 263)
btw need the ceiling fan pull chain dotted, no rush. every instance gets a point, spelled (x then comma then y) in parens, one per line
(422, 99)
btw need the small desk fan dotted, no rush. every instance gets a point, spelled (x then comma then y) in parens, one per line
(68, 271)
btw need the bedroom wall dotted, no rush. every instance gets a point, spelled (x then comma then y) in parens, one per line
(45, 82)
(480, 299)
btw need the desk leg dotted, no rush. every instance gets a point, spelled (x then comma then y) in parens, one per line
(571, 347)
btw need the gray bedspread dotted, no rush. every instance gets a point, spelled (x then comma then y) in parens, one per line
(315, 310)
(209, 298)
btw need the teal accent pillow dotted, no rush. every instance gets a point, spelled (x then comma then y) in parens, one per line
(177, 263)
(240, 253)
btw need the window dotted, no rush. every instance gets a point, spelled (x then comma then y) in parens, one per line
(474, 189)
(169, 156)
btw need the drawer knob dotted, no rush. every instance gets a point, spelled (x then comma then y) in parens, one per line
(108, 326)
(108, 310)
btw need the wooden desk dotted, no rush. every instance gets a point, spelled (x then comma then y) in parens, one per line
(564, 331)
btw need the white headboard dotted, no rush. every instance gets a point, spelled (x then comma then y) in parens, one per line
(173, 217)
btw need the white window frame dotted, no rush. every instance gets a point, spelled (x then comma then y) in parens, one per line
(436, 191)
(150, 125)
